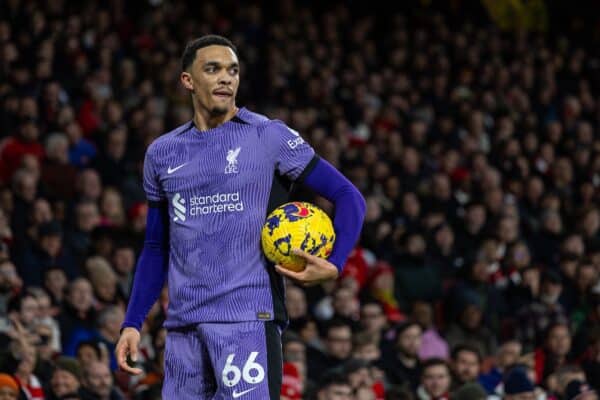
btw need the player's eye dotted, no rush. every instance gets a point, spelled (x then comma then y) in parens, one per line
(210, 69)
(234, 70)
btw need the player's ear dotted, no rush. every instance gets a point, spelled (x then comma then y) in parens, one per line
(186, 80)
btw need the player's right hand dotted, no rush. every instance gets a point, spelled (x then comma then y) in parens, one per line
(128, 346)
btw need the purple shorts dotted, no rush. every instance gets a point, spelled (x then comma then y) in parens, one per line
(224, 361)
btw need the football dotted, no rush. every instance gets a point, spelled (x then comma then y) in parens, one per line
(297, 225)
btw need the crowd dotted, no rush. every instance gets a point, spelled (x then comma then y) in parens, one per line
(477, 273)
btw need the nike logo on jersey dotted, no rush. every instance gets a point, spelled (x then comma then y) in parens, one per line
(240, 394)
(171, 170)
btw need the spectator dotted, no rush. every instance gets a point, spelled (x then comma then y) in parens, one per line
(78, 311)
(534, 318)
(106, 334)
(524, 287)
(365, 347)
(23, 143)
(104, 281)
(25, 190)
(21, 358)
(381, 287)
(402, 364)
(415, 277)
(25, 309)
(123, 261)
(81, 150)
(294, 352)
(58, 174)
(111, 208)
(554, 352)
(295, 301)
(89, 351)
(586, 277)
(590, 362)
(518, 386)
(89, 185)
(308, 332)
(471, 232)
(508, 354)
(373, 320)
(443, 253)
(433, 345)
(66, 378)
(564, 375)
(47, 251)
(470, 329)
(435, 380)
(476, 289)
(9, 388)
(111, 162)
(580, 390)
(338, 348)
(466, 364)
(98, 383)
(334, 386)
(470, 391)
(291, 388)
(55, 283)
(10, 284)
(87, 218)
(363, 383)
(547, 240)
(46, 314)
(346, 306)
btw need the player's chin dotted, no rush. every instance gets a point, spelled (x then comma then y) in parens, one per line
(219, 110)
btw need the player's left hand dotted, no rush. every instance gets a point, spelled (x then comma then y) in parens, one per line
(317, 270)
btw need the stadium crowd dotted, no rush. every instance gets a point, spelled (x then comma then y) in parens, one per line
(478, 152)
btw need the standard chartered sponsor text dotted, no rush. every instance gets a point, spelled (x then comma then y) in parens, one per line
(216, 203)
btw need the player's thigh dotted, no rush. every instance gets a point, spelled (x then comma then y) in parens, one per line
(188, 370)
(246, 358)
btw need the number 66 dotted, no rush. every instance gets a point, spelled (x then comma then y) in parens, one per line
(246, 374)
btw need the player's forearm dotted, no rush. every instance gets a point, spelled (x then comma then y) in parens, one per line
(151, 271)
(349, 205)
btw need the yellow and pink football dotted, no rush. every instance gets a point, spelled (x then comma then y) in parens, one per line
(299, 225)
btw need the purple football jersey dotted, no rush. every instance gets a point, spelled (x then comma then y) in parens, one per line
(218, 185)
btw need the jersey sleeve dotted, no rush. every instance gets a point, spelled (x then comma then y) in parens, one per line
(292, 152)
(151, 181)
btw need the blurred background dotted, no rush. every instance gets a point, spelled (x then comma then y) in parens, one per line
(471, 128)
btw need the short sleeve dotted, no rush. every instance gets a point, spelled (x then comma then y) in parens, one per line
(151, 181)
(293, 153)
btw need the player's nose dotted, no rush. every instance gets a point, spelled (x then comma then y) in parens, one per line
(225, 80)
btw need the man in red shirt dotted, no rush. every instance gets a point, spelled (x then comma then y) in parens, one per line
(16, 147)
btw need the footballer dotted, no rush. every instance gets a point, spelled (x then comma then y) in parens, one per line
(210, 184)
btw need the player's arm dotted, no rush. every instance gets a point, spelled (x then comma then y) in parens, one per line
(296, 159)
(151, 269)
(350, 206)
(149, 279)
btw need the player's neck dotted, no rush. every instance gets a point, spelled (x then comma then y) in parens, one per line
(204, 121)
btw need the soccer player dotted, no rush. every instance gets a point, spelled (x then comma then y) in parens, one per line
(210, 184)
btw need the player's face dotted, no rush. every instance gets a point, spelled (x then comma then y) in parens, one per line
(214, 78)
